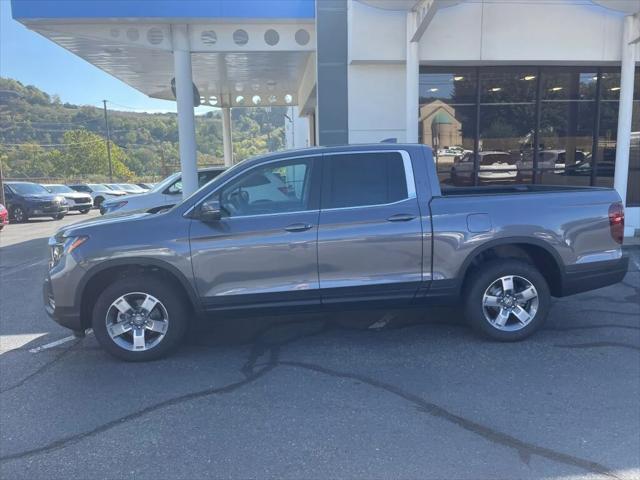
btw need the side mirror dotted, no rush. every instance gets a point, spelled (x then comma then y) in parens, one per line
(210, 211)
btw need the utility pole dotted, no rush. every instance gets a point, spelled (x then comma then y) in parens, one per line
(164, 163)
(106, 124)
(1, 184)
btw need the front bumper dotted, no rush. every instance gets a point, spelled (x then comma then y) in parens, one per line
(67, 317)
(47, 210)
(81, 206)
(582, 278)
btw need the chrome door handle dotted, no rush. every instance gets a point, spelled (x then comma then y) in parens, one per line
(401, 217)
(298, 227)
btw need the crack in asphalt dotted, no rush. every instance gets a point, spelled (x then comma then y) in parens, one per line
(599, 345)
(591, 327)
(261, 346)
(73, 439)
(524, 449)
(40, 370)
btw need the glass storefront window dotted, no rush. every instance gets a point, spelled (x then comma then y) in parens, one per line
(551, 125)
(448, 115)
(567, 119)
(507, 125)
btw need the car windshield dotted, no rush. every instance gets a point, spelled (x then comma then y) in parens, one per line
(58, 189)
(99, 187)
(28, 188)
(166, 182)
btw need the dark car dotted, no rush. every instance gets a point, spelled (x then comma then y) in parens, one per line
(27, 200)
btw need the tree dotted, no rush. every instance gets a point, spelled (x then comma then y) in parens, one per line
(86, 154)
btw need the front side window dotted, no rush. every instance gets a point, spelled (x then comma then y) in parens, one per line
(273, 188)
(362, 179)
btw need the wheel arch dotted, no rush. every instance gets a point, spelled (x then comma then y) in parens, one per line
(540, 254)
(98, 276)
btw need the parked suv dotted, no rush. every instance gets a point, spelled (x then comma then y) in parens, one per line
(98, 191)
(77, 201)
(162, 196)
(28, 200)
(331, 228)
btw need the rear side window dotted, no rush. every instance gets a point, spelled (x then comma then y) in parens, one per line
(362, 179)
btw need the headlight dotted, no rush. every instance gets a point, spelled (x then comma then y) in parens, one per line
(62, 247)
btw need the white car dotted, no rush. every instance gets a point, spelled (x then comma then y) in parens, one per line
(79, 201)
(99, 192)
(163, 195)
(493, 167)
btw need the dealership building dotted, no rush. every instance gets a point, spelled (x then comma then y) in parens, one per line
(504, 91)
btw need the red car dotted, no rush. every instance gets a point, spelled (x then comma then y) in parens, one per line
(4, 216)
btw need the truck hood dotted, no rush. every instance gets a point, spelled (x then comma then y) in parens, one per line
(86, 227)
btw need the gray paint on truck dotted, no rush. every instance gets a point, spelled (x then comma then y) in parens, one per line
(255, 263)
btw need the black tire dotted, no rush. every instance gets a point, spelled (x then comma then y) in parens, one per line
(174, 303)
(19, 215)
(483, 278)
(84, 211)
(98, 201)
(59, 216)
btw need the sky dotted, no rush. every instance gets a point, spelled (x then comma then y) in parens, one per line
(33, 60)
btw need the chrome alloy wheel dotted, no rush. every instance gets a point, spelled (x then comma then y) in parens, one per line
(137, 321)
(510, 303)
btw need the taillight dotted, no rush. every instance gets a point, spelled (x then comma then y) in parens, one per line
(616, 221)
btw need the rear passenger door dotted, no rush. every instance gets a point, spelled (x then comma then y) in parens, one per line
(370, 233)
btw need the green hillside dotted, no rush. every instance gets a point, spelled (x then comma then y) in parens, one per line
(42, 138)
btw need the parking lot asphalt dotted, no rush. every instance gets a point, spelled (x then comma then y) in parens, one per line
(319, 396)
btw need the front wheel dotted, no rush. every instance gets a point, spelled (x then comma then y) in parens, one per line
(507, 300)
(60, 216)
(140, 318)
(20, 215)
(98, 201)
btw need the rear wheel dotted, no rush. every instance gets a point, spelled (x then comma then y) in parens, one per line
(507, 300)
(140, 318)
(20, 215)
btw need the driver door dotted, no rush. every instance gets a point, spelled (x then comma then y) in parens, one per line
(263, 251)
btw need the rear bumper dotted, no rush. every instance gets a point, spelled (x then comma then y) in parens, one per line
(582, 278)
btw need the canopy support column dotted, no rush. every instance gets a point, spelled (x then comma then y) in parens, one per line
(227, 138)
(625, 110)
(185, 101)
(412, 79)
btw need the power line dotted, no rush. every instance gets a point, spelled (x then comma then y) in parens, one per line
(49, 144)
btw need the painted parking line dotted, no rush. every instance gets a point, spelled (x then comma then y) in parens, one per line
(57, 343)
(379, 324)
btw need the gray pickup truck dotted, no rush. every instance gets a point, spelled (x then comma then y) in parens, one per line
(331, 228)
